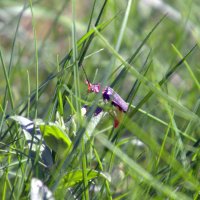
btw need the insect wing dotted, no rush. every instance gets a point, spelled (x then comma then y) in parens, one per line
(120, 102)
(110, 94)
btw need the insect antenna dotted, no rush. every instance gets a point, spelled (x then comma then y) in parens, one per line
(85, 74)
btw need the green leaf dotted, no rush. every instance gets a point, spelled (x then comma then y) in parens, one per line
(72, 178)
(56, 138)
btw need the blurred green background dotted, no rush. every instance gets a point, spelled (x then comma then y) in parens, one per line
(53, 28)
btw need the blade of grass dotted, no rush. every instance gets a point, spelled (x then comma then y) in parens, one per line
(75, 55)
(137, 83)
(36, 58)
(3, 116)
(8, 87)
(188, 67)
(163, 144)
(28, 94)
(180, 145)
(78, 106)
(123, 26)
(6, 179)
(89, 25)
(11, 57)
(87, 44)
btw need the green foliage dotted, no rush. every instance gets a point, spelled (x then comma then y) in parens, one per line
(56, 139)
(52, 136)
(74, 177)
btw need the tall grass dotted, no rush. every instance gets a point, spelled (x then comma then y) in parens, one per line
(147, 54)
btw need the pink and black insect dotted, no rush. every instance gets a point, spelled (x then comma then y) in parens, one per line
(109, 95)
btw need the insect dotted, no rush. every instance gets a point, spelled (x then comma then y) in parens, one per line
(109, 95)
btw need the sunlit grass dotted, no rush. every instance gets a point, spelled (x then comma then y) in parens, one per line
(148, 55)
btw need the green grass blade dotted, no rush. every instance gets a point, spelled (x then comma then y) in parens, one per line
(36, 59)
(188, 67)
(137, 83)
(7, 83)
(11, 56)
(123, 26)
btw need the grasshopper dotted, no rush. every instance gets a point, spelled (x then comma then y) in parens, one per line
(109, 95)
